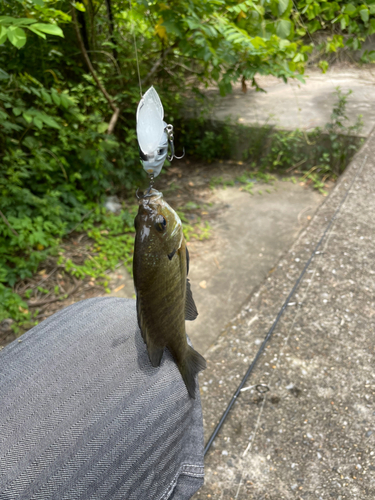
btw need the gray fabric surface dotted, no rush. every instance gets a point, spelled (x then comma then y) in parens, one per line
(84, 415)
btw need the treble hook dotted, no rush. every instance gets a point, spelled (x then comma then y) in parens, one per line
(169, 130)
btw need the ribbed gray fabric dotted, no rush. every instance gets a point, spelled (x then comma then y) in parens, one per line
(84, 415)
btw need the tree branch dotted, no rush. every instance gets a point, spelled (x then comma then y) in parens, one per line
(113, 121)
(157, 64)
(116, 110)
(7, 223)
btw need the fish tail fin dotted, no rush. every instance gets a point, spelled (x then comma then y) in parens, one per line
(189, 366)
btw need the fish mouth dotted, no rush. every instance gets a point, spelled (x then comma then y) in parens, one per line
(150, 194)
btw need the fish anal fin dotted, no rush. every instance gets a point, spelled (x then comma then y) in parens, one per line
(155, 353)
(190, 308)
(189, 366)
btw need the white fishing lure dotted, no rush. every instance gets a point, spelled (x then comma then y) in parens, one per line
(153, 133)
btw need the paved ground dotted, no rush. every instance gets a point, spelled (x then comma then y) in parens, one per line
(303, 106)
(312, 436)
(249, 235)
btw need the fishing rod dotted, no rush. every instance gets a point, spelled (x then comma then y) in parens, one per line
(284, 306)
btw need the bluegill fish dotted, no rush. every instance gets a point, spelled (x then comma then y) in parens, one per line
(164, 298)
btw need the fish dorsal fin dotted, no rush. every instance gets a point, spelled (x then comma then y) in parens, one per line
(190, 308)
(155, 353)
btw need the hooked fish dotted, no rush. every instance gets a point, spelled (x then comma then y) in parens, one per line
(164, 298)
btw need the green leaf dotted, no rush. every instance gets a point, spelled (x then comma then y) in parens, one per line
(27, 117)
(46, 96)
(7, 20)
(349, 8)
(3, 75)
(23, 21)
(65, 101)
(79, 6)
(40, 3)
(50, 29)
(313, 26)
(48, 120)
(364, 13)
(323, 65)
(16, 36)
(17, 111)
(282, 6)
(38, 122)
(283, 28)
(102, 127)
(37, 32)
(344, 21)
(55, 97)
(298, 57)
(3, 34)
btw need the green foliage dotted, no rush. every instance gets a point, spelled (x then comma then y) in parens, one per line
(322, 153)
(346, 24)
(111, 241)
(198, 230)
(14, 30)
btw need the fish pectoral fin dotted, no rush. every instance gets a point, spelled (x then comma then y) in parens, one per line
(154, 353)
(141, 323)
(170, 255)
(190, 308)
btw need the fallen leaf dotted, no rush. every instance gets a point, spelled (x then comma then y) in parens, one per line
(119, 288)
(203, 284)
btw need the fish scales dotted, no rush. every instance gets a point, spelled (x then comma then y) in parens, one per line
(164, 298)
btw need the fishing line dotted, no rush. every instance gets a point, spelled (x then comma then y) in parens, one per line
(136, 51)
(284, 306)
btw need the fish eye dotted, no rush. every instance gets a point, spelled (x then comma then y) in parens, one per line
(160, 223)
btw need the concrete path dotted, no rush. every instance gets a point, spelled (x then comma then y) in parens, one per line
(249, 236)
(304, 106)
(250, 233)
(312, 436)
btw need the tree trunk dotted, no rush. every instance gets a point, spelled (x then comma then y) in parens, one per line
(116, 110)
(83, 29)
(111, 26)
